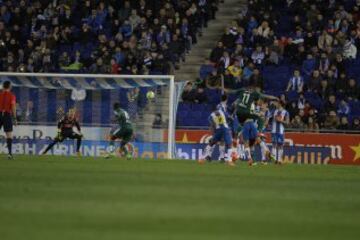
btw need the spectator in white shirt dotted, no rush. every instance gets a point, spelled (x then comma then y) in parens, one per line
(349, 50)
(258, 55)
(225, 61)
(264, 29)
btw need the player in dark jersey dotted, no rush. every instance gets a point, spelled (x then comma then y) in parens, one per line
(124, 132)
(65, 130)
(245, 107)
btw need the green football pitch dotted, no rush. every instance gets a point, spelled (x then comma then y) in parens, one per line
(74, 198)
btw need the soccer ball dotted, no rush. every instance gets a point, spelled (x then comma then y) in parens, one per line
(150, 95)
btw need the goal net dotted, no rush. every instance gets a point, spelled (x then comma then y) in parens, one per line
(43, 99)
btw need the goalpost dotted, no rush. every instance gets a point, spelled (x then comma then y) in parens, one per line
(41, 96)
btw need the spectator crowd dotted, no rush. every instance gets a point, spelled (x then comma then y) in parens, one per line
(317, 39)
(100, 36)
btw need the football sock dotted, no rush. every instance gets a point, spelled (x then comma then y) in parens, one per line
(228, 155)
(50, 146)
(78, 144)
(274, 152)
(209, 150)
(111, 148)
(247, 152)
(221, 151)
(9, 145)
(123, 148)
(280, 154)
(264, 150)
(241, 151)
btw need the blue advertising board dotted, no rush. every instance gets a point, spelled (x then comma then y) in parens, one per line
(292, 154)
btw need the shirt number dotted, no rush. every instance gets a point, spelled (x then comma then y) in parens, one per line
(246, 98)
(220, 120)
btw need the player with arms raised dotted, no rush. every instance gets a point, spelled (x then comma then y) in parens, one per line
(221, 132)
(124, 132)
(280, 120)
(66, 130)
(245, 107)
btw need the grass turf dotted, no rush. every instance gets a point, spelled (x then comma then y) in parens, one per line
(70, 198)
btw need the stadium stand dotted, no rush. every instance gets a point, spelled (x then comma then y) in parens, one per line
(304, 51)
(93, 36)
(265, 45)
(127, 37)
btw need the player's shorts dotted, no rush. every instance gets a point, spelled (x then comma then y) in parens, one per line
(124, 133)
(235, 128)
(6, 122)
(222, 134)
(249, 132)
(277, 138)
(242, 115)
(68, 134)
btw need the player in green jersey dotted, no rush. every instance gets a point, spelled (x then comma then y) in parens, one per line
(246, 103)
(245, 107)
(124, 131)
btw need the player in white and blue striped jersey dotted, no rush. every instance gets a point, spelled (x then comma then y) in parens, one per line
(221, 133)
(265, 115)
(222, 106)
(269, 115)
(280, 120)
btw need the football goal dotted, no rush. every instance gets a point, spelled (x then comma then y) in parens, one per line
(44, 98)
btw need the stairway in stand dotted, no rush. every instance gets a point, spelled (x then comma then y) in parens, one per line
(228, 11)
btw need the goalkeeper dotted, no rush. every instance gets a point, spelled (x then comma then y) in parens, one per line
(65, 130)
(124, 131)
